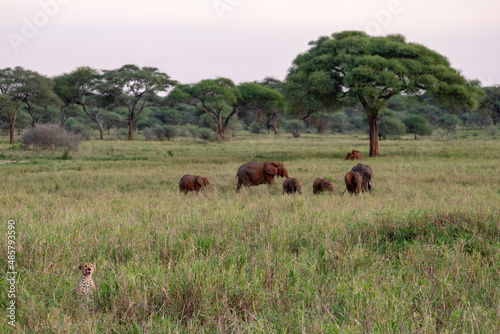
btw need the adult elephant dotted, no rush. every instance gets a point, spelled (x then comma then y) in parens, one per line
(193, 183)
(255, 173)
(359, 179)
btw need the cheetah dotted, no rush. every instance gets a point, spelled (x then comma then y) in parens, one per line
(86, 285)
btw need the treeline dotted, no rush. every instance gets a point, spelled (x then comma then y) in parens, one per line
(131, 99)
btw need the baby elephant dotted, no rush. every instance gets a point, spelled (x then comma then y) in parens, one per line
(321, 185)
(193, 183)
(359, 179)
(292, 185)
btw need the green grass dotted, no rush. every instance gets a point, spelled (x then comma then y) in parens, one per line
(420, 254)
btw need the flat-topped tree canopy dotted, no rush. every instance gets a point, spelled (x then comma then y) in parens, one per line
(351, 67)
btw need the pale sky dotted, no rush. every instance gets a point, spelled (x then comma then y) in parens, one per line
(244, 40)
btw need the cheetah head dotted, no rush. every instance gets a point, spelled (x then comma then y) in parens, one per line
(87, 269)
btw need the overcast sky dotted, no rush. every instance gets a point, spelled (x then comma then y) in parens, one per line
(244, 40)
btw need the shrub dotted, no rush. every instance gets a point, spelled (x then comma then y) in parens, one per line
(51, 136)
(339, 122)
(200, 133)
(207, 134)
(79, 128)
(160, 132)
(448, 122)
(391, 127)
(417, 125)
(294, 126)
(256, 127)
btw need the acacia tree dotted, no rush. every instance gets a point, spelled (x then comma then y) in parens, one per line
(33, 90)
(137, 85)
(9, 99)
(10, 109)
(86, 88)
(351, 67)
(261, 99)
(215, 97)
(492, 102)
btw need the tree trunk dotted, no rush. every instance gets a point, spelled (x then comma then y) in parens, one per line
(12, 123)
(275, 123)
(131, 130)
(63, 118)
(101, 133)
(223, 133)
(372, 120)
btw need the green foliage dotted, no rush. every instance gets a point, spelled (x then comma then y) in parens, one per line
(78, 127)
(294, 126)
(135, 86)
(160, 132)
(148, 122)
(449, 123)
(417, 125)
(215, 97)
(351, 67)
(339, 122)
(391, 127)
(256, 127)
(169, 116)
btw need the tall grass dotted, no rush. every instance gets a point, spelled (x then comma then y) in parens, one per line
(420, 254)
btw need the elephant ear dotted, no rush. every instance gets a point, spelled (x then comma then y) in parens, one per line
(271, 168)
(200, 181)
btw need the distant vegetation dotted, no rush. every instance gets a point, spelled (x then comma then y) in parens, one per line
(131, 100)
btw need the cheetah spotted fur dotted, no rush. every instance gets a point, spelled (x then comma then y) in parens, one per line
(86, 285)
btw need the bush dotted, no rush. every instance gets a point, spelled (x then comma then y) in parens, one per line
(256, 127)
(417, 125)
(339, 122)
(207, 134)
(201, 133)
(160, 132)
(448, 122)
(79, 128)
(51, 136)
(391, 127)
(294, 126)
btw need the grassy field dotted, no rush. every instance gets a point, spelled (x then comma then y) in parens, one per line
(420, 254)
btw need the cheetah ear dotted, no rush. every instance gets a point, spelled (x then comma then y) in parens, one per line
(80, 267)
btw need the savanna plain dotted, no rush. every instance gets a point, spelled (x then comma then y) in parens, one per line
(418, 254)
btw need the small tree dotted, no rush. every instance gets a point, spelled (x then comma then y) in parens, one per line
(449, 123)
(492, 102)
(391, 127)
(111, 119)
(417, 125)
(294, 126)
(9, 109)
(339, 122)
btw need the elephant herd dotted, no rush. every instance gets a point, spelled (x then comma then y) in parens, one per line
(357, 181)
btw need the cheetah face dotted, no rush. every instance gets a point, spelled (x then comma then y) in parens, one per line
(87, 269)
